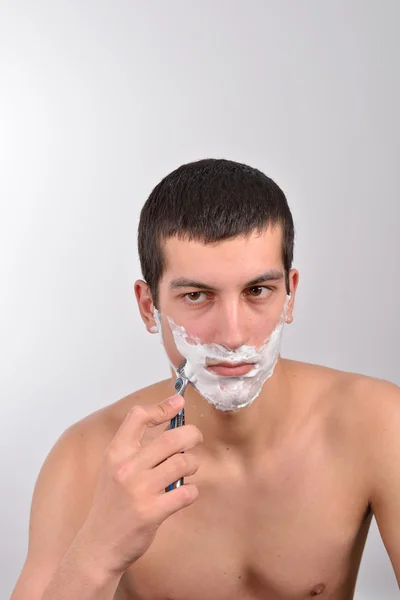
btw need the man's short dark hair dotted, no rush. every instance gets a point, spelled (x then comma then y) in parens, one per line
(210, 200)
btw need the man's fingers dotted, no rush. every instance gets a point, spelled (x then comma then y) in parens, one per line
(176, 467)
(170, 442)
(132, 429)
(170, 502)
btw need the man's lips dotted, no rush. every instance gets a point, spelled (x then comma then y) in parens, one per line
(231, 370)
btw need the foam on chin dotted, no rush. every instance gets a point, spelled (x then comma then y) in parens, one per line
(227, 393)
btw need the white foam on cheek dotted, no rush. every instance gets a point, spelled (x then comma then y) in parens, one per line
(229, 393)
(189, 370)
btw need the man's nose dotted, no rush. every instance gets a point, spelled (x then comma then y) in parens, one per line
(230, 327)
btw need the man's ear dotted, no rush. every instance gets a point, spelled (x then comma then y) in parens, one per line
(145, 304)
(293, 282)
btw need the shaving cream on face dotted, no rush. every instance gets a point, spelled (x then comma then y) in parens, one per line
(228, 393)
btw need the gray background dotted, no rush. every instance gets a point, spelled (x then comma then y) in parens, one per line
(99, 100)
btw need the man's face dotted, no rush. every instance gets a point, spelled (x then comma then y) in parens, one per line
(231, 293)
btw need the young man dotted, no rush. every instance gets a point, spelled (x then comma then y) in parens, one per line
(284, 462)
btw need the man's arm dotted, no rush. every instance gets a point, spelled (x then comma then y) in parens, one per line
(384, 453)
(57, 559)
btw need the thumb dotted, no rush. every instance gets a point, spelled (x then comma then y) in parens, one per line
(166, 410)
(132, 429)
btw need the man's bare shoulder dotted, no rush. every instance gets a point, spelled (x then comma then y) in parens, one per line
(351, 399)
(115, 413)
(96, 430)
(357, 408)
(367, 401)
(374, 405)
(353, 385)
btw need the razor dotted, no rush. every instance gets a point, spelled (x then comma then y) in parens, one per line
(180, 386)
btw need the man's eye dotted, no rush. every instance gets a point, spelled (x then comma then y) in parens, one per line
(258, 291)
(194, 297)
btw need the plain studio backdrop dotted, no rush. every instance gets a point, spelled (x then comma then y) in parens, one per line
(100, 100)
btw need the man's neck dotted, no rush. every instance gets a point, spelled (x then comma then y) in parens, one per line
(249, 430)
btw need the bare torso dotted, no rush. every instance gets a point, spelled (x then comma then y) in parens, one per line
(291, 526)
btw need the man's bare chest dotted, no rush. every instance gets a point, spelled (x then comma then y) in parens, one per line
(293, 531)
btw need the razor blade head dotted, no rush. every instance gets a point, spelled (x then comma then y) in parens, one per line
(181, 369)
(178, 384)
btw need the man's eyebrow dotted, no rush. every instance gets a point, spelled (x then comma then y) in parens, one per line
(272, 275)
(183, 282)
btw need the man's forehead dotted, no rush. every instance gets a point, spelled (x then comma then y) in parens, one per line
(269, 239)
(242, 258)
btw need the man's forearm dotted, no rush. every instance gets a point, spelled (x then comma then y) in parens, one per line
(79, 576)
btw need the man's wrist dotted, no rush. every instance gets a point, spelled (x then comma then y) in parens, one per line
(92, 563)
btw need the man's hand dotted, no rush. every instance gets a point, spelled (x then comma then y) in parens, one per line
(130, 502)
